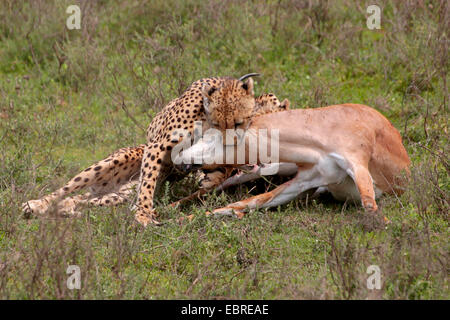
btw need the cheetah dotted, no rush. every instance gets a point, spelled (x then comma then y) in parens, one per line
(113, 180)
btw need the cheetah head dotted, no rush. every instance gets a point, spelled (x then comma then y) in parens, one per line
(231, 105)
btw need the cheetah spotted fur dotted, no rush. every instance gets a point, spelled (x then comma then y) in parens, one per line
(114, 179)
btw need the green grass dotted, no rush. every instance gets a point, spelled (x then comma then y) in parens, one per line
(60, 110)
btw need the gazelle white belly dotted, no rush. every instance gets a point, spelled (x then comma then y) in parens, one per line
(345, 190)
(340, 175)
(332, 171)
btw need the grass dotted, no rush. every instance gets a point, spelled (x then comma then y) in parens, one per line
(61, 94)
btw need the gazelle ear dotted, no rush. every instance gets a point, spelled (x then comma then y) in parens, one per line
(248, 86)
(285, 104)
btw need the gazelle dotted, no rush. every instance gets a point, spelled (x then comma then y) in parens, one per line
(351, 150)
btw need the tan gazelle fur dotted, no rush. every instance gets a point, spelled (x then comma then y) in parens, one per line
(351, 150)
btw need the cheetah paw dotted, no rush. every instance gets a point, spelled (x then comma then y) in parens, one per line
(34, 207)
(211, 180)
(145, 218)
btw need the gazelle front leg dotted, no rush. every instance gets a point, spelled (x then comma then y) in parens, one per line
(284, 169)
(258, 171)
(307, 177)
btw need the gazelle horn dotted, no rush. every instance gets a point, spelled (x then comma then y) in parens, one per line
(248, 76)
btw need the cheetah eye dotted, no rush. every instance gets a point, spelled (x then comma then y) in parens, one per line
(237, 124)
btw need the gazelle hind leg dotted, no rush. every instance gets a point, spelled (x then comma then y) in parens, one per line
(356, 166)
(364, 183)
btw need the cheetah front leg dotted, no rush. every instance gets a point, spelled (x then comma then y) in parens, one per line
(151, 174)
(154, 168)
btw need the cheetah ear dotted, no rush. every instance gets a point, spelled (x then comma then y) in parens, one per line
(207, 91)
(248, 86)
(285, 104)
